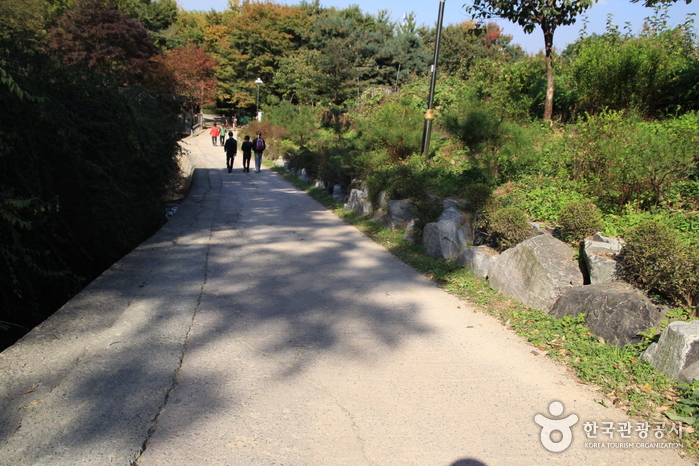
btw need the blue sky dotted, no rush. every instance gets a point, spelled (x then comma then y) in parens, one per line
(426, 12)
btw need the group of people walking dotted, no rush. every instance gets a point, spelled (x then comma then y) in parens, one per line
(230, 147)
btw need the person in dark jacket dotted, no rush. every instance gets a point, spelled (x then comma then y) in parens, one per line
(246, 147)
(258, 145)
(231, 148)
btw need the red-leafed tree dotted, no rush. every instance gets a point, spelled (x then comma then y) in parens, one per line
(187, 72)
(95, 35)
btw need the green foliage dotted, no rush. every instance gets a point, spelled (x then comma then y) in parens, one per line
(475, 126)
(686, 409)
(623, 159)
(579, 219)
(656, 260)
(428, 209)
(645, 73)
(505, 227)
(96, 36)
(465, 44)
(529, 14)
(477, 194)
(81, 194)
(299, 121)
(523, 153)
(541, 198)
(394, 128)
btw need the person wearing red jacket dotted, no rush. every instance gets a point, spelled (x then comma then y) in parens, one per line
(215, 131)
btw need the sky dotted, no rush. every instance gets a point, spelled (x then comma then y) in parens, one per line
(427, 12)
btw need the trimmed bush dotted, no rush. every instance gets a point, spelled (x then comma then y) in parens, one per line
(656, 260)
(579, 219)
(506, 227)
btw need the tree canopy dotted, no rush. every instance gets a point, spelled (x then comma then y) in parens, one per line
(546, 14)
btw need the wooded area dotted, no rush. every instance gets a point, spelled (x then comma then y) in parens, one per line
(90, 91)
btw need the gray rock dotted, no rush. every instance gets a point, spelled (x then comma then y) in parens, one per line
(409, 234)
(677, 352)
(536, 228)
(615, 243)
(449, 203)
(279, 162)
(401, 210)
(478, 260)
(449, 236)
(338, 194)
(452, 213)
(536, 272)
(616, 311)
(398, 215)
(440, 239)
(302, 174)
(383, 200)
(355, 203)
(599, 258)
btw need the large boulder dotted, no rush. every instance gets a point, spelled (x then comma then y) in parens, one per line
(616, 311)
(358, 203)
(599, 254)
(449, 236)
(677, 352)
(536, 271)
(398, 215)
(478, 260)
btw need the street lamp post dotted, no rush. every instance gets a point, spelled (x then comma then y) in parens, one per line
(258, 81)
(429, 115)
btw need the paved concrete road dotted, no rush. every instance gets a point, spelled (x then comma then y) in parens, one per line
(258, 329)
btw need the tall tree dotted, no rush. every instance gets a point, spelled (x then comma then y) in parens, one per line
(99, 37)
(250, 42)
(466, 43)
(187, 72)
(547, 14)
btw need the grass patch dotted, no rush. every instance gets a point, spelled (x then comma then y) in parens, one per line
(622, 379)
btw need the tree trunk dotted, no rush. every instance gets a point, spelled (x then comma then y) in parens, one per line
(548, 40)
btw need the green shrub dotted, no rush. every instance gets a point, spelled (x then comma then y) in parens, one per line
(475, 126)
(620, 72)
(402, 180)
(656, 260)
(541, 198)
(427, 209)
(393, 128)
(579, 219)
(506, 227)
(624, 159)
(478, 194)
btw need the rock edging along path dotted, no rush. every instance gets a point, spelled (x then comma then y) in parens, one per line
(258, 328)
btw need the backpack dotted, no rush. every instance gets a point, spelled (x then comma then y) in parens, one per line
(259, 145)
